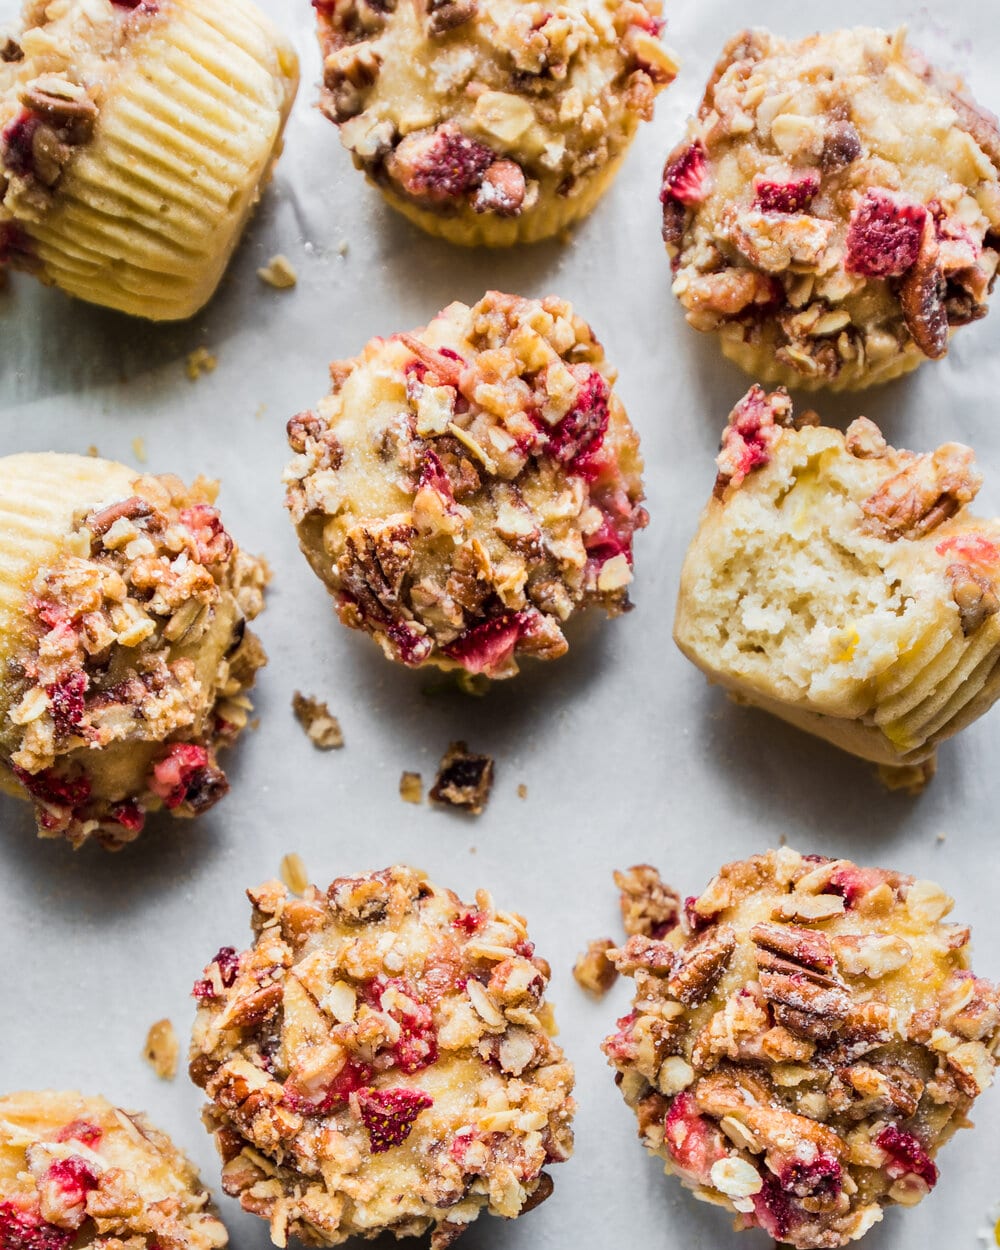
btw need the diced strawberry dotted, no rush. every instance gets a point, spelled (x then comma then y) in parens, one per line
(749, 436)
(66, 697)
(486, 647)
(129, 815)
(694, 920)
(185, 775)
(470, 921)
(460, 1144)
(49, 787)
(774, 1209)
(853, 883)
(693, 1142)
(22, 1229)
(17, 143)
(620, 1047)
(820, 1177)
(411, 647)
(906, 1156)
(72, 1179)
(211, 541)
(884, 235)
(416, 1046)
(686, 179)
(351, 1077)
(970, 549)
(575, 440)
(434, 477)
(389, 1115)
(449, 166)
(14, 243)
(793, 194)
(227, 960)
(81, 1131)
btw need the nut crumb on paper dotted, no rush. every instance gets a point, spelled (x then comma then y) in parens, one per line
(594, 971)
(322, 728)
(343, 247)
(522, 791)
(648, 905)
(293, 872)
(200, 361)
(161, 1049)
(92, 451)
(139, 448)
(411, 788)
(464, 779)
(279, 272)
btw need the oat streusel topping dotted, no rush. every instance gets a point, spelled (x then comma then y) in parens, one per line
(79, 1172)
(804, 1041)
(381, 1059)
(834, 211)
(128, 666)
(467, 108)
(465, 489)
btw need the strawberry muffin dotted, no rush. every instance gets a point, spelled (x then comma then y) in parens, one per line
(843, 585)
(466, 489)
(381, 1060)
(491, 123)
(135, 136)
(834, 211)
(79, 1172)
(124, 652)
(804, 1041)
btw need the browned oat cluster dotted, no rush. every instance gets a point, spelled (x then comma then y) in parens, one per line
(802, 1044)
(834, 211)
(79, 1172)
(381, 1060)
(491, 123)
(467, 488)
(126, 664)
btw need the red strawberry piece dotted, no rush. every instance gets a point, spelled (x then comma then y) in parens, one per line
(853, 883)
(486, 647)
(686, 179)
(970, 549)
(821, 1177)
(790, 195)
(449, 166)
(73, 1178)
(129, 815)
(469, 922)
(434, 477)
(775, 1210)
(227, 961)
(13, 241)
(66, 697)
(575, 440)
(619, 1047)
(81, 1131)
(460, 1144)
(694, 920)
(906, 1156)
(26, 1230)
(411, 647)
(184, 775)
(747, 440)
(693, 1142)
(211, 541)
(351, 1077)
(389, 1115)
(50, 787)
(17, 143)
(884, 236)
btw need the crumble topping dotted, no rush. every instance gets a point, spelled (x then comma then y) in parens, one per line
(834, 208)
(322, 728)
(465, 489)
(594, 971)
(803, 1042)
(80, 1172)
(463, 779)
(161, 1049)
(381, 1059)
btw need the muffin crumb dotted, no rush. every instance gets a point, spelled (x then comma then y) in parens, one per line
(162, 1049)
(200, 361)
(279, 272)
(411, 788)
(464, 779)
(594, 971)
(322, 729)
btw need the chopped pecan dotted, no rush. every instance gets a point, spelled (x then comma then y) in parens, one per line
(643, 953)
(348, 75)
(502, 190)
(10, 50)
(648, 905)
(132, 509)
(464, 779)
(884, 1089)
(750, 1100)
(374, 567)
(975, 596)
(922, 296)
(445, 15)
(806, 947)
(700, 964)
(923, 494)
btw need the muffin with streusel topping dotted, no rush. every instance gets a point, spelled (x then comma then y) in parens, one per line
(845, 586)
(381, 1060)
(466, 489)
(124, 653)
(491, 123)
(834, 211)
(80, 1172)
(135, 136)
(805, 1036)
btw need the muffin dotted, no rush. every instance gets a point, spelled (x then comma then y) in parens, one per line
(466, 489)
(135, 136)
(834, 211)
(124, 651)
(843, 585)
(81, 1172)
(381, 1060)
(801, 1047)
(491, 124)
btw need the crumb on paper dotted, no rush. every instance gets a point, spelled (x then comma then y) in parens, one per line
(279, 272)
(522, 791)
(594, 971)
(783, 839)
(908, 778)
(200, 361)
(162, 1049)
(322, 729)
(648, 905)
(261, 409)
(464, 779)
(941, 837)
(411, 788)
(343, 247)
(139, 448)
(293, 872)
(255, 723)
(92, 451)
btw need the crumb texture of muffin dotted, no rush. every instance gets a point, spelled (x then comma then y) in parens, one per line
(124, 653)
(134, 140)
(465, 489)
(834, 210)
(491, 123)
(843, 585)
(381, 1060)
(803, 1042)
(78, 1172)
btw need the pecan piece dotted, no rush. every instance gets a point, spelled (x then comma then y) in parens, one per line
(464, 779)
(648, 905)
(805, 947)
(348, 75)
(975, 596)
(374, 566)
(884, 1088)
(929, 490)
(701, 963)
(132, 509)
(502, 190)
(922, 296)
(643, 953)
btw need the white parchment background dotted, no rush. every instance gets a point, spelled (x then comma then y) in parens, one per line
(627, 754)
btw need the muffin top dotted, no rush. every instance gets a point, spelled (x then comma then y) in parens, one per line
(801, 1045)
(78, 1172)
(466, 488)
(454, 103)
(381, 1058)
(840, 191)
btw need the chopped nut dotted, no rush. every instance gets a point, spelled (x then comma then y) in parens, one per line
(314, 716)
(522, 791)
(162, 1049)
(925, 493)
(463, 779)
(411, 788)
(200, 361)
(594, 972)
(278, 272)
(648, 905)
